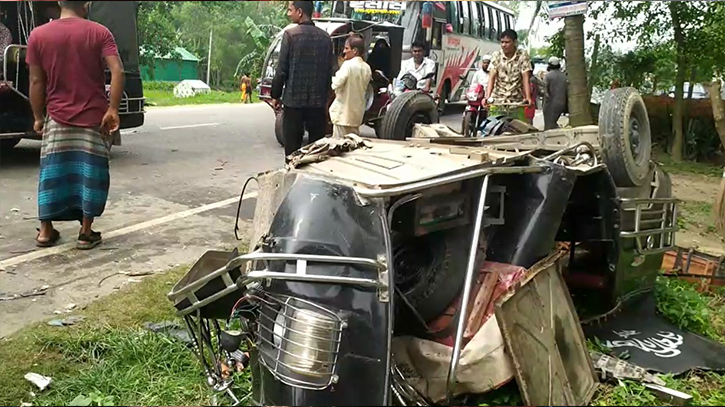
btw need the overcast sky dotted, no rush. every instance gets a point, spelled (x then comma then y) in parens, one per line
(545, 28)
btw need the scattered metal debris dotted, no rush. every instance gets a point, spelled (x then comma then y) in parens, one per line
(668, 395)
(34, 292)
(39, 380)
(609, 366)
(170, 328)
(72, 320)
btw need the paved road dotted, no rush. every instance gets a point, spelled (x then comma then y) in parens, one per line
(174, 184)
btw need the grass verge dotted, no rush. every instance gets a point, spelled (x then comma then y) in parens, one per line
(158, 97)
(110, 359)
(687, 167)
(107, 359)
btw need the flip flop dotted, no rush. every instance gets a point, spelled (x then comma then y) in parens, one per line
(53, 239)
(87, 242)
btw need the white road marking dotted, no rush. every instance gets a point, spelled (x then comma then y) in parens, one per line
(189, 126)
(39, 254)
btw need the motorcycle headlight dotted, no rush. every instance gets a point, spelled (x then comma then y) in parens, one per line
(472, 96)
(305, 340)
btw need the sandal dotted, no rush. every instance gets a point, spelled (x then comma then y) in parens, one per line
(54, 237)
(87, 242)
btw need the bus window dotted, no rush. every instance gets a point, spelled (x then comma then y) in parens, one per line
(485, 12)
(437, 40)
(454, 16)
(494, 25)
(475, 20)
(499, 22)
(466, 17)
(507, 18)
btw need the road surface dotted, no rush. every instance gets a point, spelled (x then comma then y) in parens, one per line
(175, 183)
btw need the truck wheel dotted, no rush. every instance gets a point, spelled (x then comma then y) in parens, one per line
(278, 127)
(8, 143)
(625, 137)
(430, 269)
(443, 98)
(406, 110)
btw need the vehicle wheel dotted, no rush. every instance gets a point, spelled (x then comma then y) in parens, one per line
(8, 143)
(278, 127)
(625, 137)
(443, 98)
(406, 110)
(468, 127)
(430, 269)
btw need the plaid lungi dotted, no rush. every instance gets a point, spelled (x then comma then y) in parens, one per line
(74, 173)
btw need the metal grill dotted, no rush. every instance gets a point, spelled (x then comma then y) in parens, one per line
(655, 223)
(299, 341)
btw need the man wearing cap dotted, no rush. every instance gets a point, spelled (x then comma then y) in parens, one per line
(555, 94)
(481, 76)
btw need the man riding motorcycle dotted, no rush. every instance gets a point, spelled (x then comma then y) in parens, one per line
(419, 66)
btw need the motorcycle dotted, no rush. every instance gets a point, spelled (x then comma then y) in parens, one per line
(475, 111)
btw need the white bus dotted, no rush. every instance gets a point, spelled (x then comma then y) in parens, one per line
(462, 32)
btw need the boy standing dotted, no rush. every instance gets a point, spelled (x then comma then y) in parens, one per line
(350, 84)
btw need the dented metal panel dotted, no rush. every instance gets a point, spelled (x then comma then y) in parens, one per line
(544, 338)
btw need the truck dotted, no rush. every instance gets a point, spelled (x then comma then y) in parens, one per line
(16, 115)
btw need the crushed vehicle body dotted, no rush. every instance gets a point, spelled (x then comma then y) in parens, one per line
(399, 272)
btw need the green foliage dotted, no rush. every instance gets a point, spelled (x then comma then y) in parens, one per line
(93, 399)
(242, 32)
(682, 304)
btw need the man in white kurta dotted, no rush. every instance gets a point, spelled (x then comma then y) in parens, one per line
(350, 84)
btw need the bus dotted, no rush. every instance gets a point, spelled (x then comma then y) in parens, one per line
(462, 32)
(16, 116)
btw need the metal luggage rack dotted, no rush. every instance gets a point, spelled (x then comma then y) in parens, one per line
(190, 290)
(645, 232)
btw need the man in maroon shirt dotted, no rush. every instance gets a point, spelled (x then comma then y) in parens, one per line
(67, 59)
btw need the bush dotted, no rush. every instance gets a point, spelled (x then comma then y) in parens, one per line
(166, 86)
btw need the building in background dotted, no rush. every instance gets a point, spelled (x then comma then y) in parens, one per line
(175, 67)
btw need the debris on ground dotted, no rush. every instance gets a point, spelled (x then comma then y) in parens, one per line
(668, 395)
(70, 307)
(39, 380)
(171, 328)
(36, 291)
(611, 367)
(72, 320)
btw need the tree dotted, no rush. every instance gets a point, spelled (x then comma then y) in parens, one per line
(156, 32)
(580, 113)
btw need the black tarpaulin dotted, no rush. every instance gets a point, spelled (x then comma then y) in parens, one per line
(653, 342)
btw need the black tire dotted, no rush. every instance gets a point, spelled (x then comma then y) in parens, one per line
(406, 110)
(443, 98)
(378, 127)
(625, 136)
(468, 127)
(278, 134)
(7, 144)
(432, 275)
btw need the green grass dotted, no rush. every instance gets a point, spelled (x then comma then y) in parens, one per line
(158, 97)
(109, 358)
(697, 214)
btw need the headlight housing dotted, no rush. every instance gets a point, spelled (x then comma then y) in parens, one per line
(299, 341)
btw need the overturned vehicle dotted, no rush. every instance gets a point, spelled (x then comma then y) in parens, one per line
(414, 272)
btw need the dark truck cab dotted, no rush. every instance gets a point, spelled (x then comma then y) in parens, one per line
(16, 116)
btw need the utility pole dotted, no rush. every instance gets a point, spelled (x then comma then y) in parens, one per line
(208, 60)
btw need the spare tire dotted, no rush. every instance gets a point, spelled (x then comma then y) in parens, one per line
(625, 137)
(430, 269)
(406, 110)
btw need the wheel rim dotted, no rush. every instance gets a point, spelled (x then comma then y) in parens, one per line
(635, 140)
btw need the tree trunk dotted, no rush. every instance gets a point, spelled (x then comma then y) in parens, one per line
(579, 101)
(718, 113)
(677, 130)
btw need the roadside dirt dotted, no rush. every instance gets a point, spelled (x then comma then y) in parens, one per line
(697, 193)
